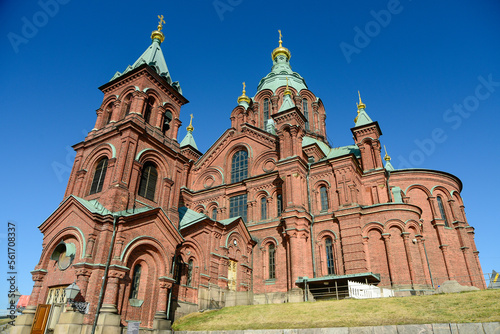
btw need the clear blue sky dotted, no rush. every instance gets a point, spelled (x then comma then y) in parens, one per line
(411, 68)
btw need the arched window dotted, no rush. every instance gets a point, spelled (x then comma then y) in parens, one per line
(306, 112)
(109, 113)
(149, 109)
(147, 186)
(441, 209)
(279, 204)
(329, 256)
(99, 176)
(266, 111)
(136, 279)
(272, 261)
(214, 214)
(189, 273)
(263, 208)
(128, 104)
(239, 166)
(167, 118)
(323, 195)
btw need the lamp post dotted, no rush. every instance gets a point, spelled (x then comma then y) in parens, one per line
(71, 292)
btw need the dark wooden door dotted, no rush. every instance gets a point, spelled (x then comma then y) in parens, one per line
(41, 317)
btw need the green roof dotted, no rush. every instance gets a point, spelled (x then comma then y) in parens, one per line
(153, 56)
(331, 152)
(189, 217)
(280, 71)
(287, 103)
(189, 140)
(363, 118)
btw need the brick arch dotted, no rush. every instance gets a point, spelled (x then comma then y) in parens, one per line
(442, 189)
(306, 93)
(200, 207)
(372, 226)
(399, 224)
(155, 157)
(151, 243)
(153, 92)
(60, 235)
(216, 174)
(108, 100)
(267, 240)
(262, 193)
(104, 150)
(326, 233)
(169, 106)
(228, 158)
(191, 245)
(265, 93)
(127, 90)
(257, 166)
(410, 223)
(417, 186)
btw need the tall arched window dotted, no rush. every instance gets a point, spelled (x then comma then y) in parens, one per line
(128, 104)
(441, 209)
(189, 273)
(272, 261)
(214, 214)
(329, 256)
(99, 176)
(279, 204)
(109, 113)
(136, 279)
(263, 208)
(149, 109)
(323, 195)
(266, 111)
(147, 186)
(239, 166)
(306, 112)
(167, 118)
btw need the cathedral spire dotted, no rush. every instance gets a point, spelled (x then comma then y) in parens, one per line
(362, 117)
(243, 98)
(281, 50)
(387, 158)
(157, 34)
(189, 139)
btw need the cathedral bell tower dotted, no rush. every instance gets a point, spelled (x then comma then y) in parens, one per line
(128, 160)
(366, 135)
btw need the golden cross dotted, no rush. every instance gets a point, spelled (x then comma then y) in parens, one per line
(359, 97)
(160, 24)
(280, 34)
(191, 118)
(244, 85)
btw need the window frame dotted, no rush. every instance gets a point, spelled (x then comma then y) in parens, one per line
(271, 252)
(323, 198)
(144, 191)
(136, 282)
(330, 261)
(238, 206)
(263, 208)
(239, 166)
(99, 182)
(305, 108)
(442, 210)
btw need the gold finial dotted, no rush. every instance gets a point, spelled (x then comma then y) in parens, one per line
(361, 105)
(243, 96)
(190, 127)
(386, 158)
(160, 24)
(157, 34)
(280, 49)
(287, 90)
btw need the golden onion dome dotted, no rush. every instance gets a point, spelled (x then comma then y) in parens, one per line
(157, 34)
(243, 96)
(280, 50)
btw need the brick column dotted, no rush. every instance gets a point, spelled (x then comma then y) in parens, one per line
(98, 121)
(161, 308)
(423, 258)
(406, 240)
(111, 294)
(444, 250)
(387, 242)
(38, 277)
(82, 280)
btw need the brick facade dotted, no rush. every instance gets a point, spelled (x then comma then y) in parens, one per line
(323, 212)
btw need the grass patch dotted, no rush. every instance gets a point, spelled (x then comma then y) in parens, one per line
(475, 306)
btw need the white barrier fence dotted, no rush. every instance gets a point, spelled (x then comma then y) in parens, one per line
(365, 291)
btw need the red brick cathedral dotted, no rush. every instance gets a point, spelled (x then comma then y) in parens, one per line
(151, 228)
